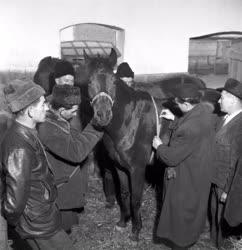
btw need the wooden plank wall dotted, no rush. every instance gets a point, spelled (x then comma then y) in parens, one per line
(235, 65)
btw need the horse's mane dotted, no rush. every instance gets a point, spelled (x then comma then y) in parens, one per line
(133, 94)
(99, 62)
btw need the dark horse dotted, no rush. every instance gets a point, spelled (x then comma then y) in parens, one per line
(129, 119)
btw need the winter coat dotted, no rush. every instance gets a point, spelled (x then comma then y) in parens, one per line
(29, 198)
(66, 149)
(228, 168)
(184, 208)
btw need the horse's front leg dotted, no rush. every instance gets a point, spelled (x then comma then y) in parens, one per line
(124, 199)
(137, 185)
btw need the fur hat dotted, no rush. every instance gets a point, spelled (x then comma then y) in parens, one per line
(63, 68)
(21, 93)
(211, 95)
(124, 70)
(234, 87)
(65, 96)
(187, 90)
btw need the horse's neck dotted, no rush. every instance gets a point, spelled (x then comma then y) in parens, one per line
(127, 103)
(124, 93)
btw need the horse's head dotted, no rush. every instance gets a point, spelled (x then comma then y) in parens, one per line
(101, 87)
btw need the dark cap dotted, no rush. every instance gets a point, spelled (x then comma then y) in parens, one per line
(234, 87)
(187, 90)
(63, 68)
(124, 70)
(65, 96)
(211, 95)
(20, 94)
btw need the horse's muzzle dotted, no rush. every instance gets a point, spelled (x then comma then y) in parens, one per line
(103, 118)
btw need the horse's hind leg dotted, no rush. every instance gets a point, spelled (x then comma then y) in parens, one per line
(124, 199)
(137, 185)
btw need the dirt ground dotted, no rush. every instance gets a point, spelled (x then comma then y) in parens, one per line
(96, 229)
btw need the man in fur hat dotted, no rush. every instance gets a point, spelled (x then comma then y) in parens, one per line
(188, 155)
(29, 197)
(64, 73)
(125, 73)
(67, 148)
(226, 202)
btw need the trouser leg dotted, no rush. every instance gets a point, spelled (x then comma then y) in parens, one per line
(216, 218)
(69, 218)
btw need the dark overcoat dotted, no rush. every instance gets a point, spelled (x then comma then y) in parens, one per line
(228, 168)
(66, 148)
(184, 209)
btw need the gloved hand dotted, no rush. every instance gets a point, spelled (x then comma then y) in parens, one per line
(167, 114)
(171, 173)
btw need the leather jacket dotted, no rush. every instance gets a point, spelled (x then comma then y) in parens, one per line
(29, 198)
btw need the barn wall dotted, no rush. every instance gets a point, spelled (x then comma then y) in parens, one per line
(235, 64)
(209, 56)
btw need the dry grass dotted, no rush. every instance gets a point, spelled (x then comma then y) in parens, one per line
(96, 229)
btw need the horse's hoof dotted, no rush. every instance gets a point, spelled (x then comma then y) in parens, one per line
(120, 229)
(121, 224)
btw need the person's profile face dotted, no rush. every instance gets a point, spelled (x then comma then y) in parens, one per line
(226, 101)
(39, 110)
(128, 80)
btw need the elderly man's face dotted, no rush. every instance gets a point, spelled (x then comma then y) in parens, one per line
(128, 80)
(67, 79)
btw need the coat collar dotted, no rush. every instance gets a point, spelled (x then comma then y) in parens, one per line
(230, 123)
(198, 110)
(28, 134)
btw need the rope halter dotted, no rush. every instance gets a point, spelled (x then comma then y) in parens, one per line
(100, 95)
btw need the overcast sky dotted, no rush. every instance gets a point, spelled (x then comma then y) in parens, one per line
(157, 31)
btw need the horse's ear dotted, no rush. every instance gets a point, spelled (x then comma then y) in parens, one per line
(113, 58)
(85, 55)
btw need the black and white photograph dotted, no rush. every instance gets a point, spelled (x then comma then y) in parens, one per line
(121, 125)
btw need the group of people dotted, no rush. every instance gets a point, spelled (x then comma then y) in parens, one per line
(203, 177)
(42, 155)
(44, 176)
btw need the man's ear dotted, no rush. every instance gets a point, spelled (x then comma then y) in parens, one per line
(189, 106)
(29, 111)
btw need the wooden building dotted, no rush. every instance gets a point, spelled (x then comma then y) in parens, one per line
(94, 38)
(217, 53)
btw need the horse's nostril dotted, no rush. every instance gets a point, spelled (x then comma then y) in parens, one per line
(109, 113)
(99, 113)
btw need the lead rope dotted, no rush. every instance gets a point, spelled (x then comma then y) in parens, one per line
(158, 127)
